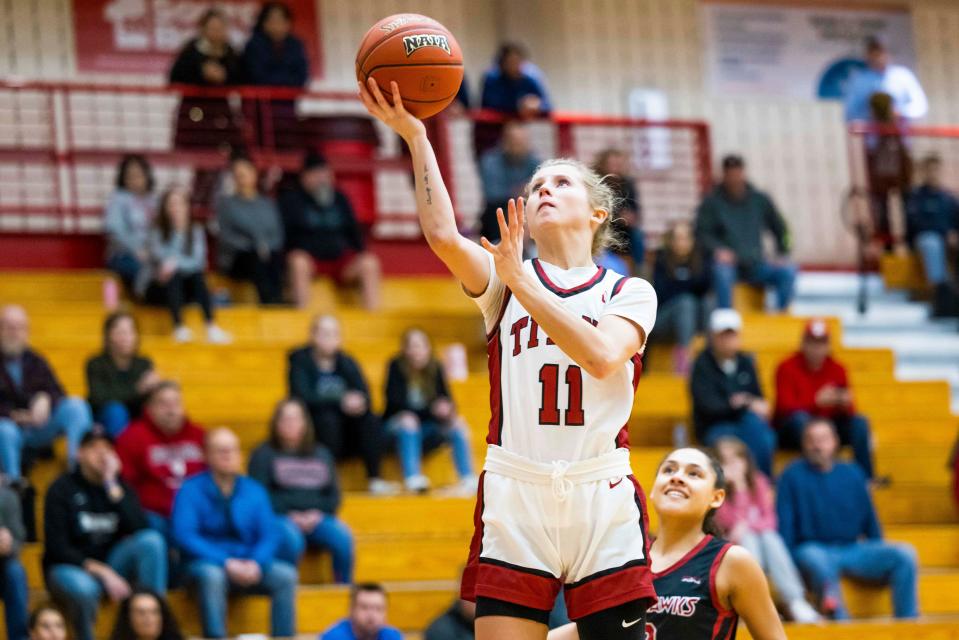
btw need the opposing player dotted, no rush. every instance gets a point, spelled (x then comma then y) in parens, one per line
(704, 583)
(557, 503)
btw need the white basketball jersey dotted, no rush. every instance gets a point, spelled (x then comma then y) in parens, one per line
(543, 405)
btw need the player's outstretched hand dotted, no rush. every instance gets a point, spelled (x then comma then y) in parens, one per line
(395, 115)
(508, 254)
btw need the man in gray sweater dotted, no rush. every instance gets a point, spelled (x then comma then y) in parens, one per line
(13, 579)
(730, 223)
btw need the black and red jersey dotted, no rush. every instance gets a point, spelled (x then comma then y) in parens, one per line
(688, 607)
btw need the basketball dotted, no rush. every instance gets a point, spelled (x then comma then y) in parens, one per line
(417, 52)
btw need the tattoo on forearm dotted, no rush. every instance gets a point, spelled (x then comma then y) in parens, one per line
(426, 183)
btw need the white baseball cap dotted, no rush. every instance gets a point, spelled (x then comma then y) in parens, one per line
(725, 320)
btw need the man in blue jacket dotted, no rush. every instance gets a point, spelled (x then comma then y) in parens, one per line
(828, 521)
(367, 619)
(224, 525)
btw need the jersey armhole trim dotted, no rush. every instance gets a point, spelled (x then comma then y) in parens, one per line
(619, 287)
(507, 294)
(713, 570)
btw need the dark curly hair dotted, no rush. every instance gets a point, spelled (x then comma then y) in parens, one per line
(123, 629)
(142, 162)
(266, 10)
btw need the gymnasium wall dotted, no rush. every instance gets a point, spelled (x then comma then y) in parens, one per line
(594, 52)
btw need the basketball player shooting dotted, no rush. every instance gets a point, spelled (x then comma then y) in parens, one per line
(557, 503)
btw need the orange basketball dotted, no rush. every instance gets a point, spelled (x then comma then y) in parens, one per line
(417, 52)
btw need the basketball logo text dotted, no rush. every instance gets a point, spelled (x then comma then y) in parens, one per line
(414, 42)
(683, 606)
(392, 25)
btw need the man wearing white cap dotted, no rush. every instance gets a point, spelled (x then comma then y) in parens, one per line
(811, 383)
(727, 398)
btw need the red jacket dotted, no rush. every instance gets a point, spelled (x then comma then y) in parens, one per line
(155, 464)
(797, 385)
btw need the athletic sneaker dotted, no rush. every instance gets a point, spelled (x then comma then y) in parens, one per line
(417, 484)
(182, 334)
(381, 487)
(802, 612)
(216, 335)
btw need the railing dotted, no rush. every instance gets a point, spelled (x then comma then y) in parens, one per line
(60, 143)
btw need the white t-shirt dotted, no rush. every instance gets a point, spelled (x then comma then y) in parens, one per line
(543, 405)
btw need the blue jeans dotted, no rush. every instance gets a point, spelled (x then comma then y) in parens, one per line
(125, 265)
(114, 416)
(932, 249)
(853, 430)
(213, 586)
(329, 534)
(781, 277)
(71, 416)
(753, 431)
(871, 560)
(429, 435)
(679, 318)
(141, 555)
(13, 589)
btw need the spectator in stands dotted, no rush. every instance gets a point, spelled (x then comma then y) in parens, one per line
(145, 615)
(300, 476)
(224, 525)
(421, 415)
(178, 261)
(367, 619)
(889, 175)
(97, 539)
(729, 225)
(727, 398)
(682, 279)
(882, 76)
(119, 378)
(250, 234)
(332, 386)
(811, 383)
(34, 409)
(828, 521)
(274, 57)
(614, 165)
(207, 60)
(159, 451)
(514, 86)
(455, 624)
(323, 235)
(127, 218)
(932, 228)
(748, 518)
(953, 465)
(505, 171)
(13, 578)
(47, 623)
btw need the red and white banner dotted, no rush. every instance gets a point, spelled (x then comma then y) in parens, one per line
(143, 36)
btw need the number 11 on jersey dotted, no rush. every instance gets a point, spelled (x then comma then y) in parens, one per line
(549, 413)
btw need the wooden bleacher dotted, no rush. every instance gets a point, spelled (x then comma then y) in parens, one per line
(416, 544)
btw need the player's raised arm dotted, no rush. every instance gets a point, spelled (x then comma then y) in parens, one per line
(464, 258)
